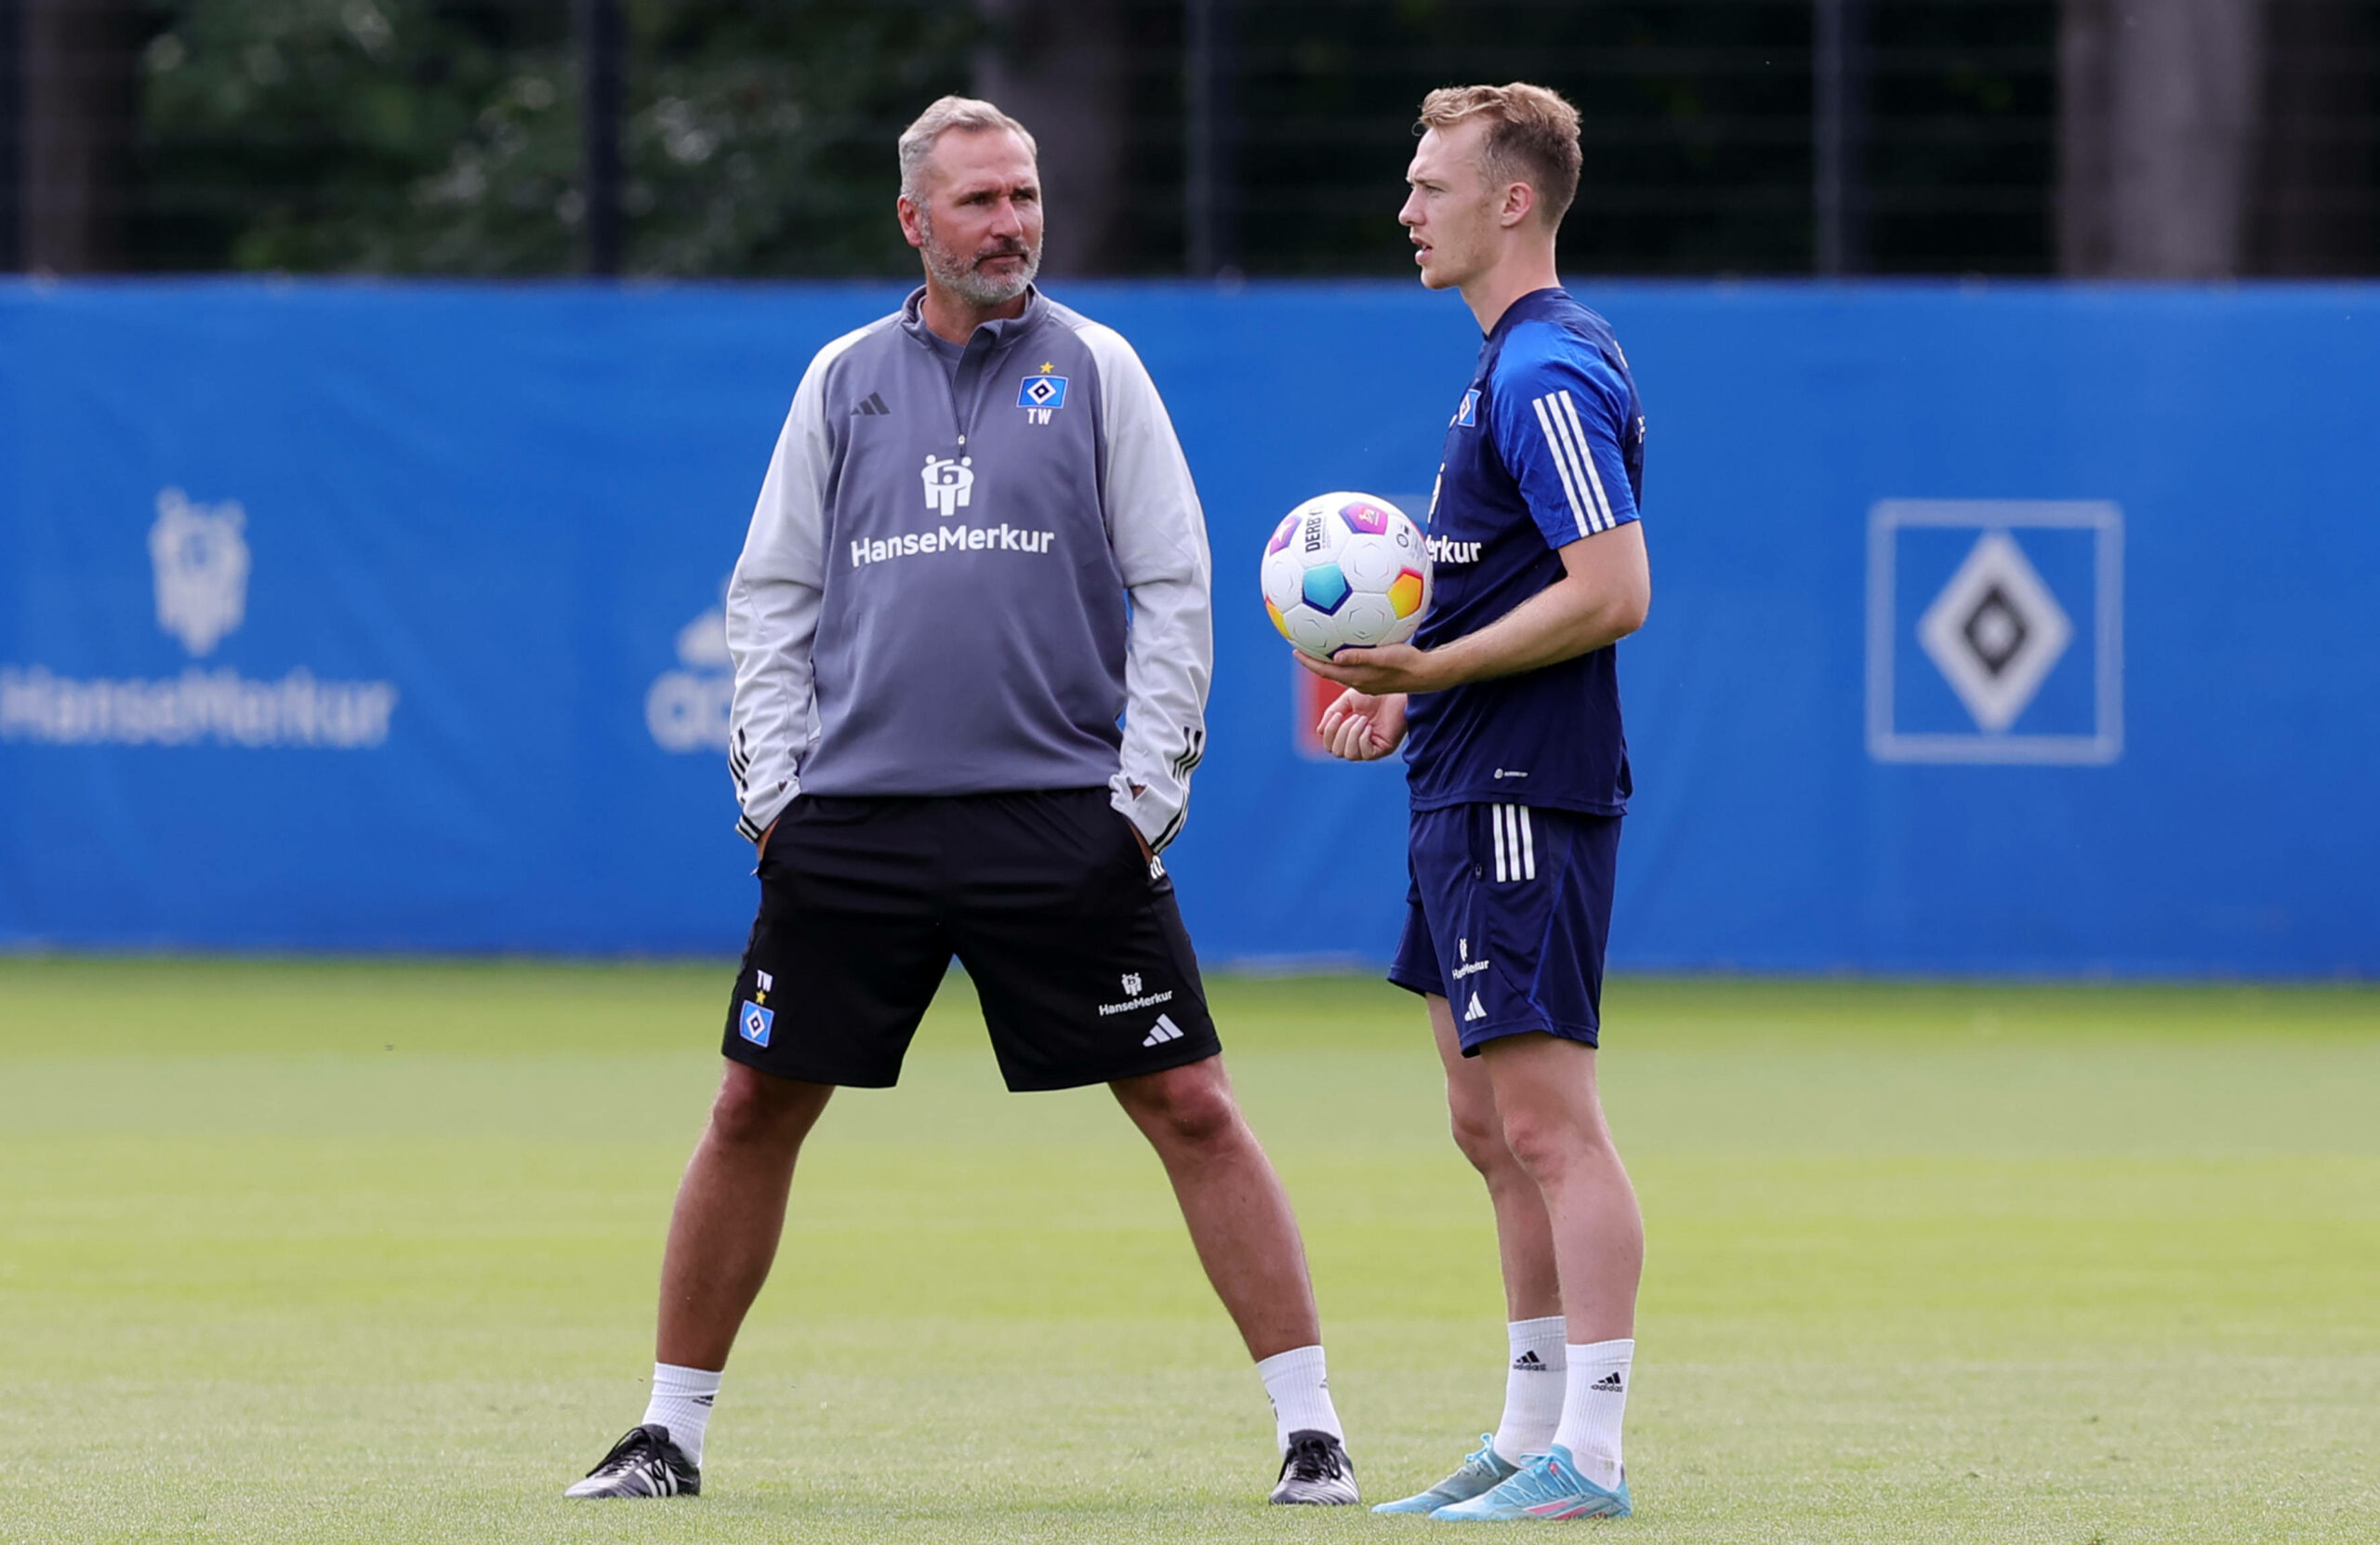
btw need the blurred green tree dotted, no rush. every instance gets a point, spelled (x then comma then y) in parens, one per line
(433, 137)
(759, 138)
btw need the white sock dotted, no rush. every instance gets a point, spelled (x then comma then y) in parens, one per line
(1533, 1387)
(1596, 1399)
(1299, 1387)
(681, 1401)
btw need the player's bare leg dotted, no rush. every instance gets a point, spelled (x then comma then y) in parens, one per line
(730, 1212)
(1524, 1237)
(723, 1236)
(1551, 1120)
(1554, 1124)
(1525, 1113)
(1536, 1336)
(1237, 1210)
(1247, 1237)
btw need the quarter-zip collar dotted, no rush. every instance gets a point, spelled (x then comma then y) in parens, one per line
(990, 340)
(987, 336)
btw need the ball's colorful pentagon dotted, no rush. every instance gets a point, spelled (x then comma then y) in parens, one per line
(1325, 588)
(1283, 534)
(1364, 516)
(1407, 592)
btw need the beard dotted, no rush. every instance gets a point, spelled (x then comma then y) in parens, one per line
(962, 277)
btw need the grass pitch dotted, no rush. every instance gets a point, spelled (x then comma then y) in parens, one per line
(366, 1252)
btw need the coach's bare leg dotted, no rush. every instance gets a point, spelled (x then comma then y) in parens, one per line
(1237, 1210)
(731, 1210)
(1552, 1121)
(1524, 1237)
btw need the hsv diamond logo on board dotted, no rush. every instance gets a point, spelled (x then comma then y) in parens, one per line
(1995, 631)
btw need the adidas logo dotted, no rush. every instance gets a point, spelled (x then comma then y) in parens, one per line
(1529, 1362)
(1166, 1031)
(872, 408)
(1474, 1011)
(702, 1399)
(1608, 1384)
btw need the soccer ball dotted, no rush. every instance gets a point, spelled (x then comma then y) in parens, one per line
(1345, 570)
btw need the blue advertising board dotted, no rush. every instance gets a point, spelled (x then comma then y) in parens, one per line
(1996, 630)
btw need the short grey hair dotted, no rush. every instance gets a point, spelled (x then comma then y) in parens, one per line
(970, 114)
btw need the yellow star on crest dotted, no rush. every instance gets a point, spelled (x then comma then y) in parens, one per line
(1047, 365)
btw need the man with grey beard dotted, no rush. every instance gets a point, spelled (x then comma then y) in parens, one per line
(972, 634)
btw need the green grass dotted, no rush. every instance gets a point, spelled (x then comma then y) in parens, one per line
(366, 1252)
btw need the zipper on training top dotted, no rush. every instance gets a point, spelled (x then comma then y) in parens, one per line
(963, 420)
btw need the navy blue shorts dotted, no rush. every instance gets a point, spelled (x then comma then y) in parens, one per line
(1507, 918)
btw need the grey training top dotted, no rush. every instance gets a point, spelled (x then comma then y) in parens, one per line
(933, 597)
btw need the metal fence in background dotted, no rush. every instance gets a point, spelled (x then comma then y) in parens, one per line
(2190, 138)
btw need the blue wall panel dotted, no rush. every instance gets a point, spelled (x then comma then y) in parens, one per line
(460, 697)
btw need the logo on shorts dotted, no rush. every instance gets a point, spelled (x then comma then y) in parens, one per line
(1474, 1011)
(754, 1024)
(1135, 999)
(1166, 1031)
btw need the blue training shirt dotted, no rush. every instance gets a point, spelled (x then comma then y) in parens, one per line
(1547, 448)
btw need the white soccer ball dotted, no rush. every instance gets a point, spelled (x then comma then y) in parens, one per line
(1343, 570)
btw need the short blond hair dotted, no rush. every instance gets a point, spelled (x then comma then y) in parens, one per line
(1532, 137)
(970, 114)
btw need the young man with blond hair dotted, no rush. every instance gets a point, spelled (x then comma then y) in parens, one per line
(1507, 704)
(971, 641)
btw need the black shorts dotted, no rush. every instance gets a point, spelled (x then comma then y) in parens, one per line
(1071, 935)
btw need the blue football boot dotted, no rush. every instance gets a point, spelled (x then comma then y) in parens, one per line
(1548, 1485)
(1481, 1471)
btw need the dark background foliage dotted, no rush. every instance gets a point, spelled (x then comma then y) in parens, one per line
(445, 136)
(412, 136)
